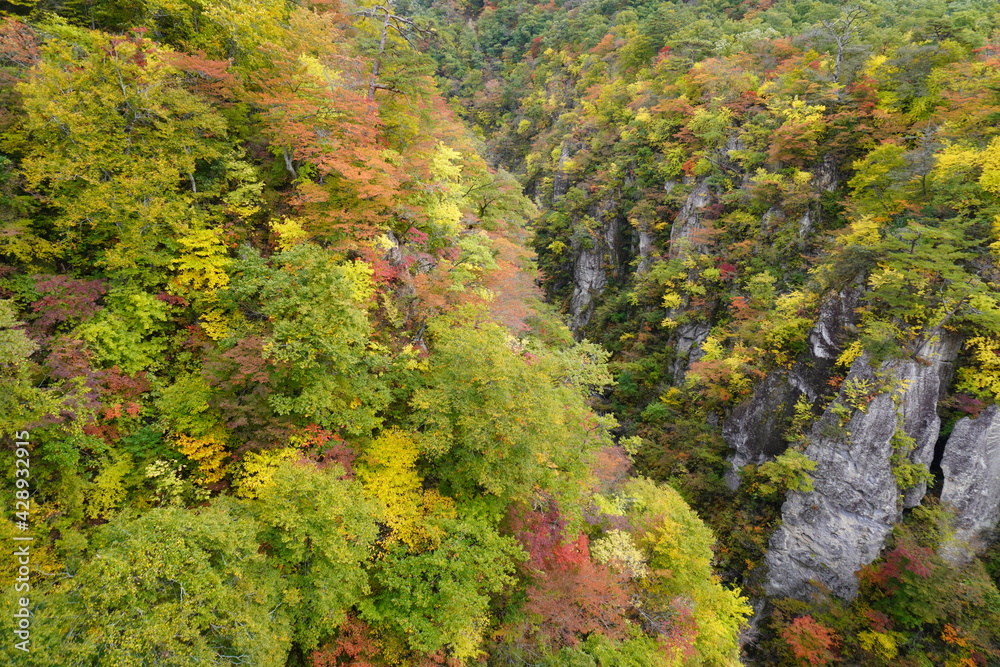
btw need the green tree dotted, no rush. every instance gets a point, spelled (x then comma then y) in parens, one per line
(496, 417)
(19, 399)
(439, 599)
(178, 586)
(121, 154)
(326, 370)
(678, 546)
(318, 531)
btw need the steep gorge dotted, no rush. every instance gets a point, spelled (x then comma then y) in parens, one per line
(295, 337)
(779, 220)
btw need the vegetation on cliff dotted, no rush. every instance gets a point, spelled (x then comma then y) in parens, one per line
(713, 177)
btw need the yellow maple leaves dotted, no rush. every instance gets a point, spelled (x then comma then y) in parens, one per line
(208, 451)
(983, 376)
(259, 468)
(388, 471)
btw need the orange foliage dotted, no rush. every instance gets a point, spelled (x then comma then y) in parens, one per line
(327, 134)
(208, 78)
(513, 286)
(811, 642)
(355, 646)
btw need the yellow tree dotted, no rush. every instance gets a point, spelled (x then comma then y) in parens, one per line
(125, 157)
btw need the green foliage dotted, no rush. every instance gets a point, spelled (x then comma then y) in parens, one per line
(319, 531)
(188, 585)
(319, 335)
(129, 332)
(185, 405)
(389, 473)
(771, 160)
(440, 598)
(907, 473)
(113, 144)
(788, 471)
(498, 419)
(598, 651)
(679, 551)
(19, 398)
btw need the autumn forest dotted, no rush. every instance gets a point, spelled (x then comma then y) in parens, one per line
(578, 333)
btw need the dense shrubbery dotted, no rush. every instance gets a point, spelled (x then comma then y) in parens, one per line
(261, 288)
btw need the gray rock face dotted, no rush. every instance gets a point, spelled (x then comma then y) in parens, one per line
(806, 223)
(772, 217)
(589, 280)
(646, 241)
(836, 315)
(560, 181)
(926, 380)
(688, 220)
(829, 533)
(826, 178)
(592, 266)
(690, 336)
(971, 468)
(755, 429)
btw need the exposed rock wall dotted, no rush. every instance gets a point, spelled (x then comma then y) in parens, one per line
(971, 469)
(589, 280)
(836, 316)
(831, 531)
(647, 244)
(687, 347)
(688, 220)
(560, 180)
(594, 265)
(684, 236)
(827, 534)
(826, 178)
(755, 429)
(925, 380)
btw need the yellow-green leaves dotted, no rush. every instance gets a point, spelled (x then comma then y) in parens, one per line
(877, 180)
(115, 146)
(190, 584)
(19, 399)
(440, 599)
(389, 473)
(257, 470)
(444, 194)
(497, 419)
(201, 265)
(982, 376)
(318, 336)
(319, 531)
(678, 547)
(129, 332)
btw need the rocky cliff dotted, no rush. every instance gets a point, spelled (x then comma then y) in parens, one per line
(755, 430)
(971, 470)
(683, 232)
(868, 443)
